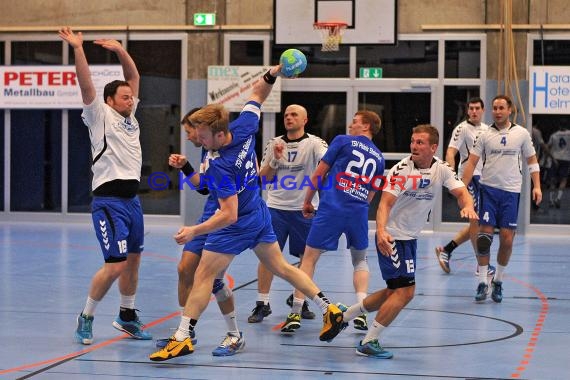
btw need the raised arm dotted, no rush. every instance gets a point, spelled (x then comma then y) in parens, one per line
(81, 66)
(263, 86)
(129, 68)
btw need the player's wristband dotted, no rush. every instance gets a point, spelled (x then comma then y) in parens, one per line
(273, 164)
(268, 78)
(187, 169)
(533, 168)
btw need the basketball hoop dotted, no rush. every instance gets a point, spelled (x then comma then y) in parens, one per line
(331, 33)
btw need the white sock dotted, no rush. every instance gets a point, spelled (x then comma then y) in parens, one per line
(499, 273)
(231, 323)
(354, 311)
(297, 305)
(483, 273)
(559, 195)
(183, 331)
(360, 296)
(90, 306)
(264, 297)
(128, 302)
(374, 332)
(322, 303)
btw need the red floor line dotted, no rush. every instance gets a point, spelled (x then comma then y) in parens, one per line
(525, 361)
(106, 343)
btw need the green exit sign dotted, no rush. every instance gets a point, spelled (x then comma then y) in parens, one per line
(370, 72)
(204, 19)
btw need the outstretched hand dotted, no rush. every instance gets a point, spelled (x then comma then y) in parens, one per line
(468, 213)
(75, 40)
(112, 45)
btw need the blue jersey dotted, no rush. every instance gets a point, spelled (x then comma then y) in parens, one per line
(211, 204)
(233, 169)
(356, 169)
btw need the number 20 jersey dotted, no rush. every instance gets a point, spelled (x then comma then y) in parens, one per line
(356, 164)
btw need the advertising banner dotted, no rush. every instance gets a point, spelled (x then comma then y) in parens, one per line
(49, 87)
(232, 85)
(549, 89)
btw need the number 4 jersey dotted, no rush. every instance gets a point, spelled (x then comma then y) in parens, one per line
(356, 169)
(502, 152)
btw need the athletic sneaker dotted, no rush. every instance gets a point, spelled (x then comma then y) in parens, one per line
(373, 349)
(490, 271)
(443, 258)
(305, 312)
(259, 312)
(292, 323)
(360, 323)
(482, 291)
(497, 292)
(332, 323)
(133, 328)
(161, 343)
(231, 345)
(84, 331)
(173, 349)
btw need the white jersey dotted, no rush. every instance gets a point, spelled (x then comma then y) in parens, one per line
(300, 160)
(502, 152)
(559, 144)
(416, 190)
(462, 139)
(115, 144)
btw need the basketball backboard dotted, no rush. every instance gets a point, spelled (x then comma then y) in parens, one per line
(368, 21)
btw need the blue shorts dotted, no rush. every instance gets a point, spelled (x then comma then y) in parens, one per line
(119, 226)
(474, 189)
(249, 230)
(196, 245)
(292, 225)
(498, 208)
(327, 228)
(401, 265)
(560, 171)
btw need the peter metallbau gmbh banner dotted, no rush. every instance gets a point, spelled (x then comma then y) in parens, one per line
(49, 87)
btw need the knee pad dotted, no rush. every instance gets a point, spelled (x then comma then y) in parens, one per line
(221, 291)
(359, 262)
(484, 242)
(218, 285)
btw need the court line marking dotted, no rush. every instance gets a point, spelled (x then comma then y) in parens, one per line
(65, 358)
(531, 344)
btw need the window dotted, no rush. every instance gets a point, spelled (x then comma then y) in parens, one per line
(36, 140)
(408, 59)
(455, 101)
(462, 59)
(555, 194)
(246, 53)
